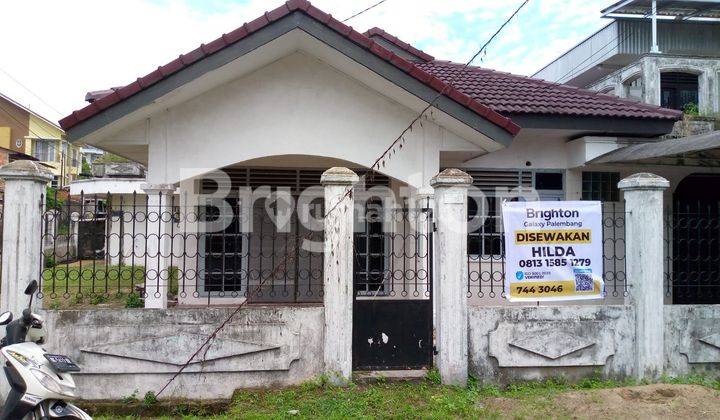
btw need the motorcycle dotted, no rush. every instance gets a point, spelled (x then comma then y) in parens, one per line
(39, 381)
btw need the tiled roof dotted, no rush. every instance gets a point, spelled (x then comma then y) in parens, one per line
(511, 94)
(117, 95)
(373, 32)
(488, 93)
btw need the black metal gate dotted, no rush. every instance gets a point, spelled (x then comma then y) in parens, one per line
(392, 273)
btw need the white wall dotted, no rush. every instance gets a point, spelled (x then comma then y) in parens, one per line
(297, 105)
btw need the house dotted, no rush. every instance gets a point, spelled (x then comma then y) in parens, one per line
(89, 154)
(663, 53)
(282, 98)
(266, 277)
(25, 131)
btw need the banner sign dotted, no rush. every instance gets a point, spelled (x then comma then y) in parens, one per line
(553, 250)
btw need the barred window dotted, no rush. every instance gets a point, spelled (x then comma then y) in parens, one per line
(601, 186)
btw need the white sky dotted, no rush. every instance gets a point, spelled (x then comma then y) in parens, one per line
(62, 49)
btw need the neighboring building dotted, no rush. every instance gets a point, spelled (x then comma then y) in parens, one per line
(90, 154)
(669, 57)
(24, 131)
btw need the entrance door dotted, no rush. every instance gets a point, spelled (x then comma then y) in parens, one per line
(392, 307)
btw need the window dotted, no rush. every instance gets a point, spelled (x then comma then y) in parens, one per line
(549, 186)
(74, 158)
(600, 186)
(44, 150)
(678, 90)
(55, 181)
(487, 238)
(369, 250)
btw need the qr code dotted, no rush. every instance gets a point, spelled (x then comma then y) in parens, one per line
(583, 282)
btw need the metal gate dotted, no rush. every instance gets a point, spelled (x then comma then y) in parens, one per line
(392, 274)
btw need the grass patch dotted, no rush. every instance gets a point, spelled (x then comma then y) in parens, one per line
(421, 399)
(386, 400)
(73, 286)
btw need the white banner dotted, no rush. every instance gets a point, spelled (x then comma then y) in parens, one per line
(553, 250)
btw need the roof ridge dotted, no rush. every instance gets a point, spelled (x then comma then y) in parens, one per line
(407, 47)
(29, 110)
(584, 91)
(226, 39)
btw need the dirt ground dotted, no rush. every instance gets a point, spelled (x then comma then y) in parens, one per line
(660, 401)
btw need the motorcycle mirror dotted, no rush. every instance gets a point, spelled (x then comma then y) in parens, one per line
(31, 288)
(6, 317)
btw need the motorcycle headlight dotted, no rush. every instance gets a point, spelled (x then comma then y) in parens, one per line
(51, 383)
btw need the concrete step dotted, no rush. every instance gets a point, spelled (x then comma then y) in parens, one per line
(373, 376)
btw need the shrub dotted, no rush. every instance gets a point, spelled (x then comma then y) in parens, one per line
(133, 301)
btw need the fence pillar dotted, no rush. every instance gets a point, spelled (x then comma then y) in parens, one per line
(158, 240)
(25, 186)
(450, 263)
(644, 259)
(338, 273)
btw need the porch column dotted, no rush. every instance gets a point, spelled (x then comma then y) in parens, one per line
(450, 247)
(158, 240)
(338, 273)
(644, 260)
(25, 186)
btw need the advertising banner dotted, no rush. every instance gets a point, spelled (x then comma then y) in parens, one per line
(553, 250)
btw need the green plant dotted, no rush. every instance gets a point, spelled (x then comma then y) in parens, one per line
(133, 300)
(54, 306)
(433, 375)
(132, 398)
(691, 108)
(52, 201)
(49, 262)
(86, 170)
(173, 282)
(76, 300)
(98, 299)
(150, 398)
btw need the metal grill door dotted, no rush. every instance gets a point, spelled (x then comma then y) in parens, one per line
(392, 309)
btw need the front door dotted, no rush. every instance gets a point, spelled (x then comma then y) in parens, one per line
(392, 274)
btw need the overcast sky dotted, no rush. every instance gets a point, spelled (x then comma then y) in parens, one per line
(61, 49)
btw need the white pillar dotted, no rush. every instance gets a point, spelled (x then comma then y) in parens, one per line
(644, 261)
(651, 81)
(338, 273)
(25, 187)
(655, 48)
(450, 263)
(158, 239)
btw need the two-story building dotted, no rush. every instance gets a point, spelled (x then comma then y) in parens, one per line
(659, 52)
(24, 131)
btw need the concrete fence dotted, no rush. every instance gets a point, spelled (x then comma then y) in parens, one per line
(124, 350)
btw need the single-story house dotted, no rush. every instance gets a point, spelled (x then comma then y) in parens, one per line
(284, 97)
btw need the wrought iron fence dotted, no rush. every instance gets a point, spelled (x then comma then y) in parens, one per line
(119, 249)
(393, 252)
(486, 255)
(692, 253)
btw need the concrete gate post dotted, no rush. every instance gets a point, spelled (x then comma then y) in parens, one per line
(338, 273)
(644, 261)
(25, 187)
(158, 240)
(450, 263)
